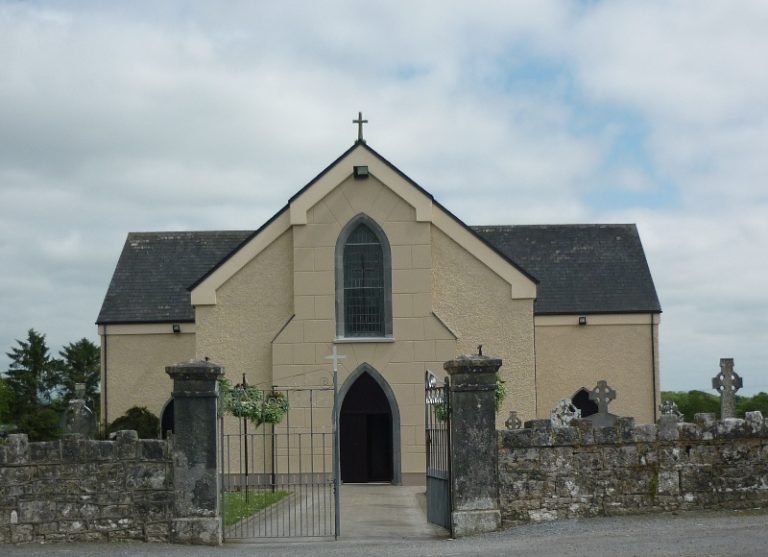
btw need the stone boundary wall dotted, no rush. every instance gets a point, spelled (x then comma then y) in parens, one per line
(548, 473)
(75, 489)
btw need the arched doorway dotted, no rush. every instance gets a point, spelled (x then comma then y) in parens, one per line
(582, 401)
(369, 427)
(167, 420)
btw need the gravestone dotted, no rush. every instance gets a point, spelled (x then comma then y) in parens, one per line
(78, 418)
(669, 407)
(564, 413)
(727, 382)
(513, 421)
(602, 395)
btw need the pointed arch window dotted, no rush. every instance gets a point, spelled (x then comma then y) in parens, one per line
(363, 281)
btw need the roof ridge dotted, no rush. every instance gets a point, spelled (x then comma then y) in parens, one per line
(580, 224)
(228, 231)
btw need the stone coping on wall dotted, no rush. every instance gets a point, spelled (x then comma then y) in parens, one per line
(77, 489)
(541, 433)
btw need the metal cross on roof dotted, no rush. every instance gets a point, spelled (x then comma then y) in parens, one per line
(360, 123)
(602, 395)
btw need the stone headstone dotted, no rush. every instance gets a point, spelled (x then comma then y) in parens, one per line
(670, 407)
(602, 395)
(513, 421)
(78, 418)
(727, 382)
(564, 413)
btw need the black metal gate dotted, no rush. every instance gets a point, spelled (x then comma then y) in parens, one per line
(437, 416)
(280, 480)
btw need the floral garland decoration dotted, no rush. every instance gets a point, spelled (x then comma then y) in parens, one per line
(274, 408)
(250, 402)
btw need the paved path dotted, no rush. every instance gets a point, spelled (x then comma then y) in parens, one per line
(386, 512)
(368, 512)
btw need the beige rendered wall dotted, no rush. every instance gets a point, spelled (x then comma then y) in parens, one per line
(252, 307)
(133, 365)
(477, 306)
(618, 348)
(419, 340)
(278, 312)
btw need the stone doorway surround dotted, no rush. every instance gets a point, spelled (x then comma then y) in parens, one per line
(394, 416)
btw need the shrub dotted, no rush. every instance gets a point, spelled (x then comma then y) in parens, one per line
(40, 424)
(146, 424)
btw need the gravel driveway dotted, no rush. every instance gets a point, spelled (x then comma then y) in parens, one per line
(743, 534)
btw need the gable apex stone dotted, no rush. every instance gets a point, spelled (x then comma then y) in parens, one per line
(343, 168)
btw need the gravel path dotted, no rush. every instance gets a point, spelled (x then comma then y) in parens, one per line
(742, 534)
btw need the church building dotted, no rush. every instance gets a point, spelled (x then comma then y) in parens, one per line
(365, 260)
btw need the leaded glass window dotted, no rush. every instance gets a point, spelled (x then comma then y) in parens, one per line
(364, 284)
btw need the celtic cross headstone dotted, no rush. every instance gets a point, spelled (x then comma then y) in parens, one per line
(513, 421)
(602, 395)
(727, 382)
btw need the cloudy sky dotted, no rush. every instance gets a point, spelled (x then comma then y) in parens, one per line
(118, 117)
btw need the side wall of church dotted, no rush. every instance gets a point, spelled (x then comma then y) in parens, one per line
(135, 366)
(476, 304)
(622, 349)
(251, 308)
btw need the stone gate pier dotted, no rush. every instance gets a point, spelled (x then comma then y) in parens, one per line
(474, 455)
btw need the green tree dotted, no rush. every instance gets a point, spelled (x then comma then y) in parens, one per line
(40, 423)
(146, 424)
(750, 404)
(80, 363)
(7, 399)
(32, 374)
(693, 402)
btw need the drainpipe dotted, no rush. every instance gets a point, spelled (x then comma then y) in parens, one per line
(105, 414)
(653, 370)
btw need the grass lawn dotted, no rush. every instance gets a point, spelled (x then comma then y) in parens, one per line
(236, 508)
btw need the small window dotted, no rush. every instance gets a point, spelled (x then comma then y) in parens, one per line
(363, 280)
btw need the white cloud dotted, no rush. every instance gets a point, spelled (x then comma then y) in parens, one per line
(146, 116)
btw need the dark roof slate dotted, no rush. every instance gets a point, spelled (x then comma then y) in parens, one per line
(156, 268)
(582, 268)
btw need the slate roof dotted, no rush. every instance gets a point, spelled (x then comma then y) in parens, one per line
(154, 270)
(582, 268)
